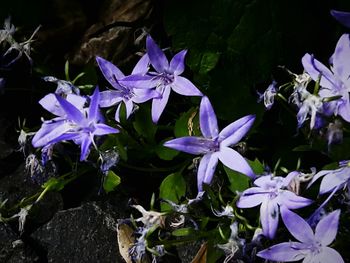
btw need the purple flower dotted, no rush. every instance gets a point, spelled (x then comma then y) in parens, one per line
(269, 95)
(72, 123)
(165, 78)
(336, 82)
(215, 146)
(342, 17)
(272, 194)
(313, 247)
(124, 91)
(333, 179)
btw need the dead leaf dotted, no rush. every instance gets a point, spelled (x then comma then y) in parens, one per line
(201, 256)
(125, 240)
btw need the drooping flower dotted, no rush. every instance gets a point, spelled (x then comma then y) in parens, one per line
(165, 78)
(271, 192)
(342, 17)
(334, 82)
(64, 87)
(215, 146)
(269, 95)
(312, 246)
(72, 123)
(124, 91)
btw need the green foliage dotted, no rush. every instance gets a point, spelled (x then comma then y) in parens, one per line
(111, 181)
(172, 188)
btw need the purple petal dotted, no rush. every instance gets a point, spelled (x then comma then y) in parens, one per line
(327, 228)
(292, 201)
(269, 216)
(235, 161)
(251, 197)
(140, 81)
(177, 64)
(48, 132)
(263, 181)
(50, 103)
(129, 106)
(341, 17)
(185, 87)
(318, 175)
(315, 68)
(284, 252)
(344, 108)
(332, 180)
(109, 98)
(85, 145)
(206, 169)
(207, 119)
(67, 136)
(158, 105)
(341, 56)
(109, 71)
(234, 132)
(156, 55)
(93, 108)
(142, 65)
(189, 144)
(102, 129)
(287, 180)
(328, 255)
(297, 226)
(143, 95)
(71, 111)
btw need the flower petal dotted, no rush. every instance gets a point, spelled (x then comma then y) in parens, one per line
(206, 169)
(93, 108)
(102, 129)
(263, 181)
(109, 71)
(332, 180)
(344, 108)
(185, 87)
(269, 215)
(341, 56)
(327, 228)
(85, 145)
(189, 144)
(283, 252)
(143, 95)
(48, 132)
(207, 119)
(177, 63)
(71, 111)
(129, 106)
(315, 68)
(328, 255)
(297, 226)
(287, 180)
(251, 197)
(235, 161)
(139, 81)
(158, 105)
(292, 201)
(234, 132)
(109, 98)
(341, 17)
(142, 65)
(156, 55)
(318, 175)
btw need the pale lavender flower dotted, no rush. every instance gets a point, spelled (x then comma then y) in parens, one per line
(313, 246)
(63, 87)
(215, 146)
(334, 82)
(342, 17)
(271, 192)
(73, 124)
(165, 78)
(269, 95)
(124, 91)
(338, 178)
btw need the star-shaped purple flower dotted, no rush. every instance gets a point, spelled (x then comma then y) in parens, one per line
(313, 247)
(165, 78)
(72, 123)
(124, 91)
(215, 146)
(271, 193)
(333, 82)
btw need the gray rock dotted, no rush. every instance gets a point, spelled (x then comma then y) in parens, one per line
(83, 234)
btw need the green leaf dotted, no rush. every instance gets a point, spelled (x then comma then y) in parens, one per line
(111, 181)
(182, 232)
(257, 166)
(172, 188)
(144, 125)
(54, 184)
(208, 62)
(238, 181)
(165, 153)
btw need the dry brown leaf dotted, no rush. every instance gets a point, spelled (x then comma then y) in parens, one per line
(125, 241)
(201, 256)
